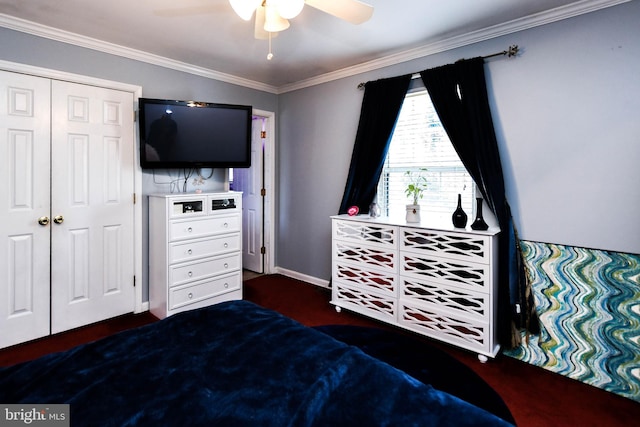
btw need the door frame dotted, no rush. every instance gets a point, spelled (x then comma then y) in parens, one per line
(139, 305)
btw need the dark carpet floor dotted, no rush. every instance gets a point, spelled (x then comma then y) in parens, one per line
(423, 362)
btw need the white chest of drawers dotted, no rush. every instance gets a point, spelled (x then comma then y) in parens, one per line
(195, 251)
(439, 282)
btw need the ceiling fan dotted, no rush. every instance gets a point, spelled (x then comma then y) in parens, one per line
(272, 16)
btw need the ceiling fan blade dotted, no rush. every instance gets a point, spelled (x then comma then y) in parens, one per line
(353, 11)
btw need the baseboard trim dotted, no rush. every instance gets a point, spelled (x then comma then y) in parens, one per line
(303, 277)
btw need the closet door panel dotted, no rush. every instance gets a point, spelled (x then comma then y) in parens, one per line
(93, 162)
(24, 199)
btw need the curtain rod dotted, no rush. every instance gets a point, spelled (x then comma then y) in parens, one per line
(511, 51)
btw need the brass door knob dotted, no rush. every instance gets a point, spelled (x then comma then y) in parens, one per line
(43, 220)
(58, 219)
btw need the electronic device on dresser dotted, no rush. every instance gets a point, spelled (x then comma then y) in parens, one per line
(190, 134)
(195, 250)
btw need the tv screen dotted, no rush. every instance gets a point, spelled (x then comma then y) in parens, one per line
(189, 134)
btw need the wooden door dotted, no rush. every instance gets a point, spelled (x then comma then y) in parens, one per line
(251, 182)
(92, 206)
(24, 199)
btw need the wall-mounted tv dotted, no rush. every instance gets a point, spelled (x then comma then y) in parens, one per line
(190, 134)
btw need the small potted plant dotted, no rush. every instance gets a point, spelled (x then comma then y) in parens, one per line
(417, 184)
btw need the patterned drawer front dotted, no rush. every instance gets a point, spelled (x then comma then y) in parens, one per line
(209, 267)
(366, 278)
(194, 249)
(462, 331)
(371, 304)
(469, 303)
(371, 234)
(459, 246)
(447, 272)
(366, 256)
(190, 294)
(194, 228)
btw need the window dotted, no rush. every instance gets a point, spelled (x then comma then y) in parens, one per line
(419, 141)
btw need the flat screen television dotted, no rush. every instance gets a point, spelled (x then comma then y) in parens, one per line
(189, 134)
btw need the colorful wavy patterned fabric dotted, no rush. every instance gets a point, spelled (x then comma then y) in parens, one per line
(589, 307)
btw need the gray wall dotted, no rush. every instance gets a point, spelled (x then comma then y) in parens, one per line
(566, 114)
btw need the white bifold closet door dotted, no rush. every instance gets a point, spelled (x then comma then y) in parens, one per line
(25, 140)
(67, 206)
(92, 212)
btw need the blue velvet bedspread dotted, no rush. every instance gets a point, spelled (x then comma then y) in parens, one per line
(233, 364)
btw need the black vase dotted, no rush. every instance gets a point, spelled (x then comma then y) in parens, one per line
(459, 216)
(479, 223)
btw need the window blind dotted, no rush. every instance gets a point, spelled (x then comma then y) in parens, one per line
(420, 141)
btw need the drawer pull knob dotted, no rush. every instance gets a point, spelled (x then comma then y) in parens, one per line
(189, 251)
(226, 265)
(226, 285)
(226, 225)
(190, 295)
(190, 274)
(226, 245)
(189, 229)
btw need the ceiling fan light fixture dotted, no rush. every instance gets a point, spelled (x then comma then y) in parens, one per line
(244, 8)
(289, 9)
(273, 22)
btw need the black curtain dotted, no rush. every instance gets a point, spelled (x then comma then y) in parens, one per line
(380, 108)
(459, 95)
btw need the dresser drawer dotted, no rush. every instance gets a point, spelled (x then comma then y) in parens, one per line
(448, 272)
(460, 330)
(368, 233)
(447, 244)
(200, 227)
(195, 249)
(366, 278)
(365, 256)
(190, 294)
(475, 305)
(197, 270)
(370, 303)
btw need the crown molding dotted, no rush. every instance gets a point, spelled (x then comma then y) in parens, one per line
(51, 33)
(536, 20)
(510, 27)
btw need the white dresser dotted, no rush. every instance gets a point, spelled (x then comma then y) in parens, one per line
(195, 250)
(436, 281)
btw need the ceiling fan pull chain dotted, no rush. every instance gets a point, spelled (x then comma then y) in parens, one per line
(269, 55)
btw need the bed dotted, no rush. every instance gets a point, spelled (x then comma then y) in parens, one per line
(232, 364)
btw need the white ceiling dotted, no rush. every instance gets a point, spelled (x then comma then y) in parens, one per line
(208, 35)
